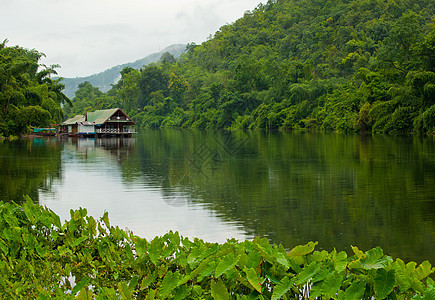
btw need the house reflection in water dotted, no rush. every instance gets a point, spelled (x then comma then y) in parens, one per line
(118, 147)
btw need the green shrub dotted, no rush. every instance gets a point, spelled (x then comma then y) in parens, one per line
(401, 121)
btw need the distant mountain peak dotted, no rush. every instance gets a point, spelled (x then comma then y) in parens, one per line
(105, 79)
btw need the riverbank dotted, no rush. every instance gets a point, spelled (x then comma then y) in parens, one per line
(9, 138)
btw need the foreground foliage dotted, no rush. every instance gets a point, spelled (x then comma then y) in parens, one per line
(86, 258)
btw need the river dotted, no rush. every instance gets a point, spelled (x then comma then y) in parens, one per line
(339, 190)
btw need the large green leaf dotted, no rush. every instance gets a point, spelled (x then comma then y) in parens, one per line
(402, 275)
(201, 268)
(154, 250)
(254, 258)
(169, 283)
(29, 211)
(321, 274)
(282, 259)
(374, 259)
(253, 279)
(423, 270)
(308, 272)
(355, 290)
(282, 287)
(228, 262)
(340, 261)
(384, 283)
(303, 249)
(198, 254)
(219, 291)
(331, 285)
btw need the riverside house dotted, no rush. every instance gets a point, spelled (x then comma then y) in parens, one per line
(99, 123)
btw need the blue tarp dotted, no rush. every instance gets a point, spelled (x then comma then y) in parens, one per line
(36, 130)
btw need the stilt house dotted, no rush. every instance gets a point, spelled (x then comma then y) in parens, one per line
(107, 122)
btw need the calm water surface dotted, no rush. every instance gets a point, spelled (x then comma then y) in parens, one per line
(291, 188)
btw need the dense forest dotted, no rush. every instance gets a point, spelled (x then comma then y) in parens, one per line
(29, 97)
(343, 66)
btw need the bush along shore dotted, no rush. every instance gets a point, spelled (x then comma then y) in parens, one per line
(84, 258)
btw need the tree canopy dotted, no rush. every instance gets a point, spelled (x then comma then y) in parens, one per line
(29, 97)
(343, 66)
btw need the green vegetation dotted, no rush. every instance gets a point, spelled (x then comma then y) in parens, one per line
(28, 95)
(344, 66)
(40, 256)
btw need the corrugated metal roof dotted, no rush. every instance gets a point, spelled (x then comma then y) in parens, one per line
(100, 116)
(97, 117)
(86, 123)
(74, 120)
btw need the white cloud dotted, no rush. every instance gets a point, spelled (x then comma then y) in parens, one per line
(88, 36)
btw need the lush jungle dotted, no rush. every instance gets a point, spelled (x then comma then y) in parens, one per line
(344, 66)
(29, 97)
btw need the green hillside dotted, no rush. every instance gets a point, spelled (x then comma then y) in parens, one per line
(343, 66)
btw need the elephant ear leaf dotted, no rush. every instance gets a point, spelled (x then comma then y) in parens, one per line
(227, 263)
(374, 259)
(384, 283)
(423, 270)
(253, 279)
(303, 249)
(169, 283)
(355, 290)
(307, 273)
(219, 291)
(282, 287)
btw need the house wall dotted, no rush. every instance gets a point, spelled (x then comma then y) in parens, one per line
(87, 129)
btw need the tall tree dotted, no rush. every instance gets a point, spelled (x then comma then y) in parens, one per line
(28, 95)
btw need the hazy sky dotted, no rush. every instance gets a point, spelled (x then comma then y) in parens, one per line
(89, 36)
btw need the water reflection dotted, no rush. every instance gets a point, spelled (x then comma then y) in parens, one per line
(291, 188)
(27, 166)
(105, 175)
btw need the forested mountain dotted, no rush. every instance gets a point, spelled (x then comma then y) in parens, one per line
(104, 80)
(344, 66)
(28, 95)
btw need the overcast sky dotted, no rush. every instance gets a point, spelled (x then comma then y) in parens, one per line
(89, 36)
